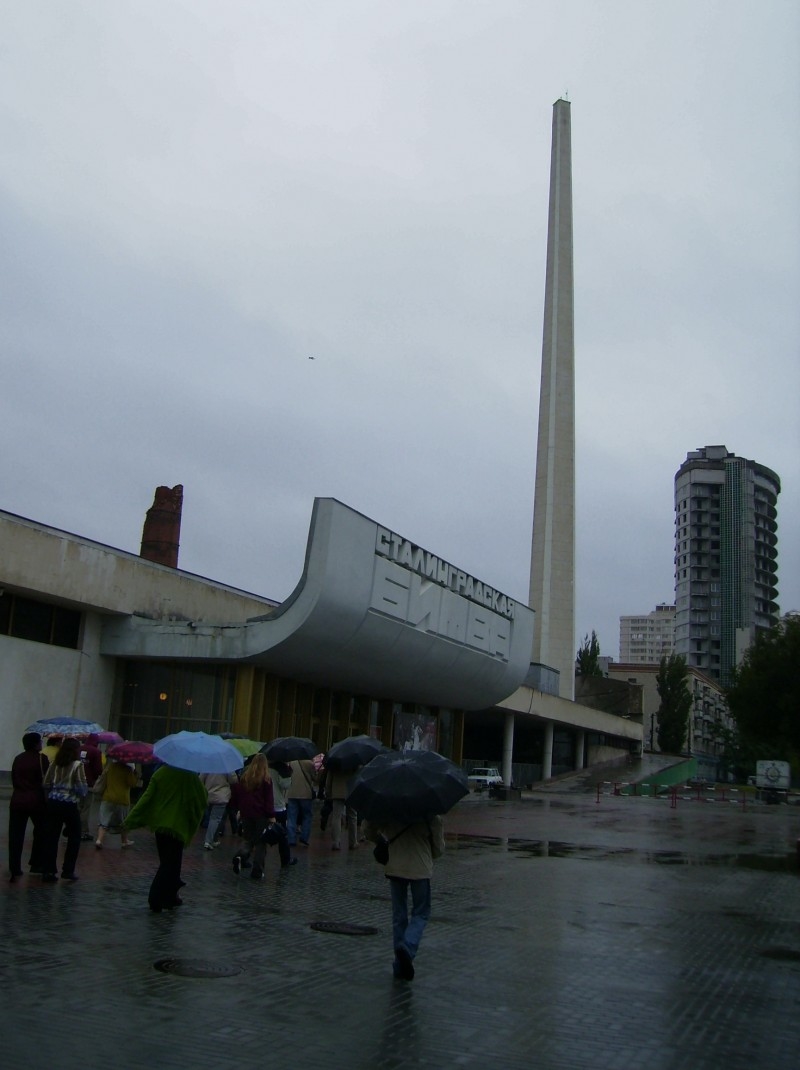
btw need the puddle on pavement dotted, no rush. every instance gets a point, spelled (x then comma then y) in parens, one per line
(593, 853)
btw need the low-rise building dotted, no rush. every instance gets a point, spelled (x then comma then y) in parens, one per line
(379, 636)
(709, 718)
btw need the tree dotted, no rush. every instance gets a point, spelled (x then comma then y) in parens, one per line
(737, 755)
(587, 661)
(676, 703)
(764, 698)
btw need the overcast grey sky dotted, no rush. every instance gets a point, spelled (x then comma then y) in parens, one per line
(197, 197)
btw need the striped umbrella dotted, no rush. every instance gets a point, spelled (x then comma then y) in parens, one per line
(64, 726)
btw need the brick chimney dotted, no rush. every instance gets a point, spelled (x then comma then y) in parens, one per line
(162, 527)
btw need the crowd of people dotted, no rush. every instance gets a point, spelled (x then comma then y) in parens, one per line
(267, 804)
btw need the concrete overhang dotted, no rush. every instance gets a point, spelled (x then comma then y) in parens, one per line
(373, 614)
(566, 713)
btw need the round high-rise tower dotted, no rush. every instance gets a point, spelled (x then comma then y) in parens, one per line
(726, 558)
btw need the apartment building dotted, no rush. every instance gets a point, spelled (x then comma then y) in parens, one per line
(726, 558)
(645, 640)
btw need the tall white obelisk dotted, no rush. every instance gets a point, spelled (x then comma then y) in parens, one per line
(552, 590)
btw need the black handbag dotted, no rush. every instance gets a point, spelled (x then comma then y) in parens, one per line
(273, 834)
(380, 851)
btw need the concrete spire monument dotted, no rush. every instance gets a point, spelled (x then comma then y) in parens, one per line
(552, 585)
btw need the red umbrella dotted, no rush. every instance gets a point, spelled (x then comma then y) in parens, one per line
(131, 751)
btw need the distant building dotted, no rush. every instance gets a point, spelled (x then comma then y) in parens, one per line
(645, 640)
(726, 558)
(613, 696)
(708, 720)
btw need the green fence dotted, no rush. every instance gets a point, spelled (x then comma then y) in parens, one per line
(664, 778)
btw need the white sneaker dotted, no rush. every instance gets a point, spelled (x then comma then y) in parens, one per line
(208, 847)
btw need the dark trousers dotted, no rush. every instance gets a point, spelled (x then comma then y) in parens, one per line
(276, 835)
(167, 881)
(17, 825)
(60, 815)
(257, 837)
(252, 843)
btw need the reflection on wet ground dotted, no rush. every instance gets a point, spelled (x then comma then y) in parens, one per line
(595, 853)
(689, 963)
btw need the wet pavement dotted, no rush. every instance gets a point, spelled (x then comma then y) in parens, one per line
(566, 933)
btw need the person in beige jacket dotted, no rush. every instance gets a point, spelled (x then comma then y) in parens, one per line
(299, 801)
(412, 850)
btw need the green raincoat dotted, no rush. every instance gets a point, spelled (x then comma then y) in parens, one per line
(174, 803)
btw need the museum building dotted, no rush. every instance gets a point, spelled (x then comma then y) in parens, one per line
(380, 636)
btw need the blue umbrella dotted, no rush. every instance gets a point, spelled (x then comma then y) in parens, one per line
(198, 752)
(64, 726)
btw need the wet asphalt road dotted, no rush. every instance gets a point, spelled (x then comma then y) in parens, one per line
(566, 933)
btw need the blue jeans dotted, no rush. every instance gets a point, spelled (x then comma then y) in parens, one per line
(298, 809)
(216, 815)
(407, 932)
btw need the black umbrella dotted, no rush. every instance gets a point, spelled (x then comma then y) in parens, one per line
(289, 749)
(407, 787)
(348, 754)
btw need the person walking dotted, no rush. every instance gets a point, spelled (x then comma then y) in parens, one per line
(281, 775)
(412, 850)
(27, 804)
(93, 768)
(65, 785)
(172, 807)
(51, 748)
(253, 800)
(337, 790)
(300, 801)
(115, 802)
(218, 786)
(322, 795)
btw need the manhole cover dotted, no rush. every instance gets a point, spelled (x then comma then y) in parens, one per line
(343, 927)
(783, 954)
(195, 968)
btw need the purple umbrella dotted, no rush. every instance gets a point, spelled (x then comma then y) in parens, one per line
(108, 737)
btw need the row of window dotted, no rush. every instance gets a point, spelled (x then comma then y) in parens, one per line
(39, 622)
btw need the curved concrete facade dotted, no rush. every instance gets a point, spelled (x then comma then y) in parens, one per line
(373, 613)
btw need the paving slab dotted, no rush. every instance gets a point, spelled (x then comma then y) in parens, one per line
(566, 933)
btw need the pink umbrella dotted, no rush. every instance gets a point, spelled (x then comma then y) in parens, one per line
(131, 751)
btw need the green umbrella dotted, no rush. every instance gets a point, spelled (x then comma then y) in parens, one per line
(246, 747)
